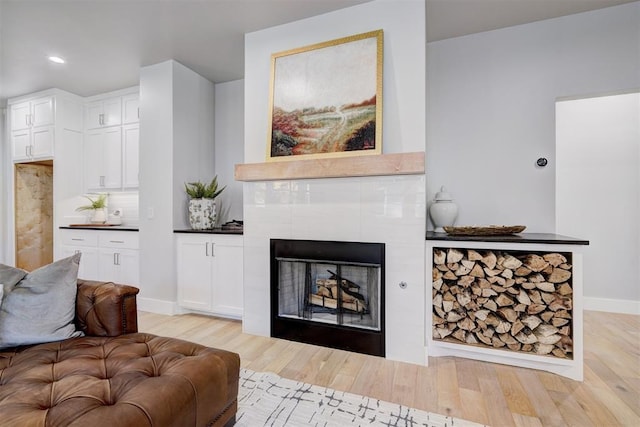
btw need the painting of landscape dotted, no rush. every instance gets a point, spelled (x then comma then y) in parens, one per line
(326, 99)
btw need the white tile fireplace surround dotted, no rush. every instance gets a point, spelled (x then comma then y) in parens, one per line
(383, 209)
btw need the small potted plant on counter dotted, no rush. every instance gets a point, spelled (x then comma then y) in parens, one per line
(98, 205)
(202, 205)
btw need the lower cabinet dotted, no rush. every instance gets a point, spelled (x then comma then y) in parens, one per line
(210, 276)
(85, 242)
(110, 256)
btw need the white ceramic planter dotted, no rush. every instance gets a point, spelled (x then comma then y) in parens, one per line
(202, 214)
(99, 216)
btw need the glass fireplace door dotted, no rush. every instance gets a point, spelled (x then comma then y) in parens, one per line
(331, 292)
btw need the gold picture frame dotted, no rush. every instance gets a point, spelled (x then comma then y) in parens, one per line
(326, 99)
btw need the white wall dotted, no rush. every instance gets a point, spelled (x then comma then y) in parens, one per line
(176, 145)
(4, 209)
(598, 194)
(371, 209)
(193, 136)
(157, 261)
(229, 132)
(490, 108)
(403, 78)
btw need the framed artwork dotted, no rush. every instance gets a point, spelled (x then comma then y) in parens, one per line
(326, 99)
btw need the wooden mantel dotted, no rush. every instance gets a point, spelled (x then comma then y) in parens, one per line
(373, 165)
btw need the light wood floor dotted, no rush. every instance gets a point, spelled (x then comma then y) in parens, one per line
(487, 393)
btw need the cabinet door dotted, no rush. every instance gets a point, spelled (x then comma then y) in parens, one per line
(228, 276)
(130, 158)
(93, 161)
(194, 272)
(21, 142)
(119, 266)
(129, 264)
(93, 115)
(42, 142)
(20, 116)
(112, 158)
(131, 108)
(88, 269)
(103, 159)
(108, 270)
(112, 111)
(42, 112)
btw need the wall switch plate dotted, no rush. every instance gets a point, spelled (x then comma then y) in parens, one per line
(150, 213)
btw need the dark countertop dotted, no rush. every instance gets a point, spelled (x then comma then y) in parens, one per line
(216, 230)
(97, 227)
(547, 238)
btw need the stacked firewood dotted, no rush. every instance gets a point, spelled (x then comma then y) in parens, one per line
(327, 294)
(517, 301)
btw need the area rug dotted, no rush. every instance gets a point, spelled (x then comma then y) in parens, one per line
(265, 399)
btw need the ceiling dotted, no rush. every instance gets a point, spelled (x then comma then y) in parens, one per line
(105, 42)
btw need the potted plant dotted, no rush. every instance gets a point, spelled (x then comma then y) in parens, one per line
(202, 205)
(98, 206)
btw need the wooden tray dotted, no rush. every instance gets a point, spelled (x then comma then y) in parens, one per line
(490, 230)
(92, 225)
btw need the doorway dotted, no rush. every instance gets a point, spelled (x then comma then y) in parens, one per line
(598, 194)
(34, 214)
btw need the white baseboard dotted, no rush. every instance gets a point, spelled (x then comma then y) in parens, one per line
(158, 306)
(612, 305)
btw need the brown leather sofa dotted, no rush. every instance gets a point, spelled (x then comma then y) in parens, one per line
(115, 376)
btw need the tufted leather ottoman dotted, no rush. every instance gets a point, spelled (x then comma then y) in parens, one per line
(135, 379)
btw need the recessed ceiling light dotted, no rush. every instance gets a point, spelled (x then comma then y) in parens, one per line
(56, 59)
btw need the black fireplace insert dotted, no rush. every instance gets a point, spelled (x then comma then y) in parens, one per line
(329, 293)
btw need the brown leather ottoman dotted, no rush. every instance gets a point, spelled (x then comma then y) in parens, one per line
(130, 380)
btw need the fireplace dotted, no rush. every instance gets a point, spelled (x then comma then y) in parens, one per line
(329, 293)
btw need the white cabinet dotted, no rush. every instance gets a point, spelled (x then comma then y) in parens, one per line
(130, 108)
(110, 256)
(195, 272)
(130, 155)
(103, 158)
(118, 258)
(103, 112)
(32, 130)
(111, 141)
(85, 242)
(210, 273)
(28, 114)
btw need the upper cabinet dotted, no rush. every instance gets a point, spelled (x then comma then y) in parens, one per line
(35, 113)
(111, 141)
(102, 113)
(130, 108)
(35, 119)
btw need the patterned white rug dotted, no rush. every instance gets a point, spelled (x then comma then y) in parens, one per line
(265, 399)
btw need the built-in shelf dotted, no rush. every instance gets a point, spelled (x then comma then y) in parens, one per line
(544, 238)
(341, 167)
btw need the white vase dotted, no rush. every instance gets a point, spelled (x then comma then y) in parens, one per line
(202, 214)
(99, 216)
(443, 211)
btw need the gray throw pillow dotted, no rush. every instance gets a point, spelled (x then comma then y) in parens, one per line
(10, 276)
(40, 307)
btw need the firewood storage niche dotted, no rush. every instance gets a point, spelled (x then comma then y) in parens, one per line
(504, 299)
(328, 293)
